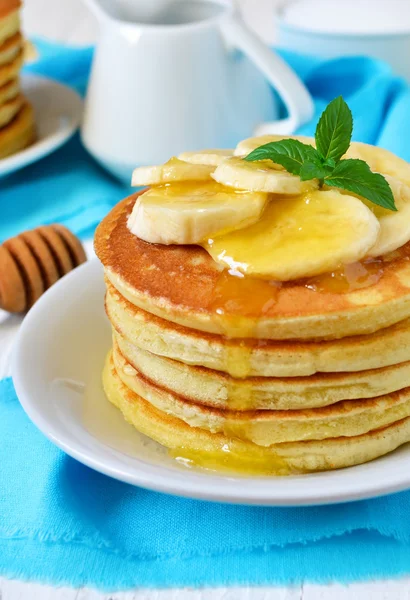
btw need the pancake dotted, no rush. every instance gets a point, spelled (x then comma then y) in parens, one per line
(10, 48)
(10, 109)
(9, 19)
(212, 388)
(8, 6)
(184, 285)
(267, 427)
(215, 450)
(9, 90)
(19, 133)
(11, 70)
(248, 358)
(31, 54)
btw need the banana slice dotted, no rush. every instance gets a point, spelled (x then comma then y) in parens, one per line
(260, 176)
(246, 146)
(299, 237)
(206, 157)
(394, 226)
(173, 170)
(187, 213)
(380, 160)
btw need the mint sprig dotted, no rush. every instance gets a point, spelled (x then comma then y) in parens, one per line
(355, 176)
(334, 130)
(333, 136)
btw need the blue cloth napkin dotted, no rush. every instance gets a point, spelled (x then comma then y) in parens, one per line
(61, 522)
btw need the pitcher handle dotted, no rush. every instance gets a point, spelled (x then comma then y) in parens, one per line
(293, 92)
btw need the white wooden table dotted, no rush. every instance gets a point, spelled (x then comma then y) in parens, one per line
(69, 21)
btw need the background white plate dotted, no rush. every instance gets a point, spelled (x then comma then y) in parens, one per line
(58, 111)
(57, 364)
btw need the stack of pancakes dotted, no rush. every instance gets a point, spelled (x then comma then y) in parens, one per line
(16, 115)
(225, 377)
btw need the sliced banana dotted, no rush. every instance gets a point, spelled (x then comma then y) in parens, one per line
(246, 146)
(299, 237)
(394, 226)
(206, 157)
(173, 170)
(380, 160)
(260, 176)
(189, 212)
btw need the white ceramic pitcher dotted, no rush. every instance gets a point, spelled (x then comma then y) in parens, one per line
(170, 78)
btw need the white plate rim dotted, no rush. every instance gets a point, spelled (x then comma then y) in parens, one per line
(49, 144)
(302, 490)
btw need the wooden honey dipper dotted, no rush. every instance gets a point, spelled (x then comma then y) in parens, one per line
(32, 261)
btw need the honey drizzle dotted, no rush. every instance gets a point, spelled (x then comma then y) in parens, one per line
(235, 298)
(255, 462)
(106, 424)
(348, 278)
(230, 302)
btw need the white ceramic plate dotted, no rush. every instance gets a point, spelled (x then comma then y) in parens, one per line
(58, 110)
(57, 368)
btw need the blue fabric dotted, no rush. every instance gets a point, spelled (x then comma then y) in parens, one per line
(61, 522)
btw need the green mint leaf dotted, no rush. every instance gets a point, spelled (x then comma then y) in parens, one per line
(333, 135)
(291, 154)
(313, 170)
(329, 162)
(355, 176)
(334, 130)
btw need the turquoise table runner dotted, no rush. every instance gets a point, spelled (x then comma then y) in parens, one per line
(62, 523)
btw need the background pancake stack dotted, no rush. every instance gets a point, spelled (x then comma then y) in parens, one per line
(16, 115)
(311, 380)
